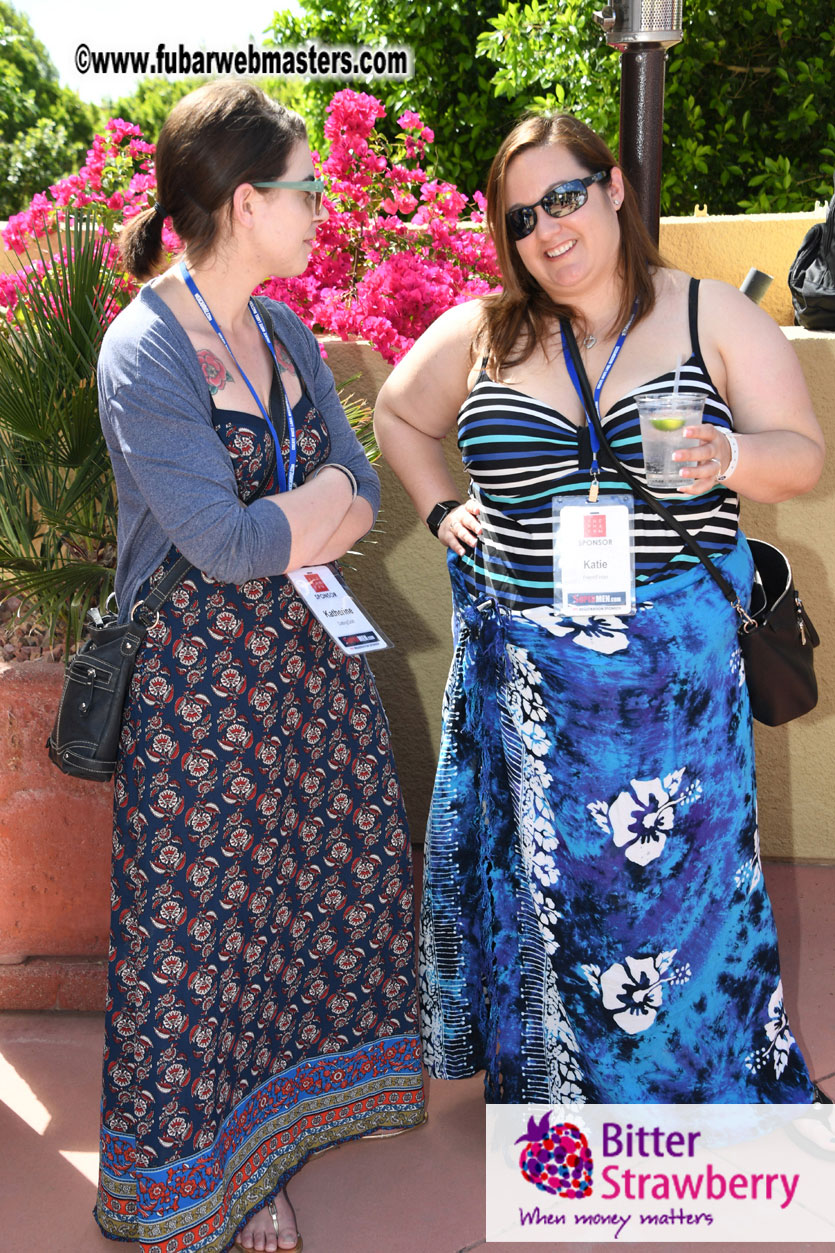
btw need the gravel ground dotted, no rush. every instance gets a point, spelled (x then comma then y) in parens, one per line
(21, 641)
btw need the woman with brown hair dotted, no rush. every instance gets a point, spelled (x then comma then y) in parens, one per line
(595, 925)
(261, 1000)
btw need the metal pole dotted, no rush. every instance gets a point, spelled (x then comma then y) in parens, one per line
(641, 126)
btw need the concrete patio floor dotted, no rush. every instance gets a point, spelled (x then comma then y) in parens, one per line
(417, 1193)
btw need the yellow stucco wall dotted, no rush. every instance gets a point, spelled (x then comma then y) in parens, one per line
(10, 261)
(794, 762)
(727, 248)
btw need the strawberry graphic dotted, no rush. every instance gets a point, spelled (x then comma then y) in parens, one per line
(556, 1158)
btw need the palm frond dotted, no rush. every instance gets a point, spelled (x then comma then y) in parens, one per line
(360, 417)
(57, 497)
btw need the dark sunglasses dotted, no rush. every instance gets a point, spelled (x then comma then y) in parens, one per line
(561, 200)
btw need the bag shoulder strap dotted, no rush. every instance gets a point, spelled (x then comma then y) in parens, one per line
(828, 234)
(146, 609)
(638, 487)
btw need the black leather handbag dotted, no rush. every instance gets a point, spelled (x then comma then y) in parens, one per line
(85, 739)
(778, 648)
(776, 635)
(812, 276)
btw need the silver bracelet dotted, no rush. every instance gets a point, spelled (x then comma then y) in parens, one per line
(349, 474)
(734, 447)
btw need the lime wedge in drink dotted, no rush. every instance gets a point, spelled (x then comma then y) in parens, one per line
(667, 424)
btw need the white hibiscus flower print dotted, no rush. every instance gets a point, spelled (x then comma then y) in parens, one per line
(750, 872)
(736, 666)
(524, 700)
(548, 917)
(536, 815)
(631, 990)
(780, 1039)
(640, 819)
(601, 635)
(540, 778)
(543, 867)
(563, 1069)
(538, 838)
(535, 738)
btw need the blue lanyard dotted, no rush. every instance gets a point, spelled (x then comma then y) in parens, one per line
(594, 439)
(286, 483)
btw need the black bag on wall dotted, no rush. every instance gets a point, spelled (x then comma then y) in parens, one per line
(812, 276)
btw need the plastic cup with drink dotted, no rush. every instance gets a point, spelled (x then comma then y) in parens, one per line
(663, 421)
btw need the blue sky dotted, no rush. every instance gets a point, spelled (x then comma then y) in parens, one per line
(140, 25)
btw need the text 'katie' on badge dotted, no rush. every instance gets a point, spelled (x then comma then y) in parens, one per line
(594, 565)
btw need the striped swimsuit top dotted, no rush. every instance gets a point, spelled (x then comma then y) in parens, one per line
(520, 453)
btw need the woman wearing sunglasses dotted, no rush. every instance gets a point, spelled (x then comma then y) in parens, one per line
(595, 926)
(262, 1003)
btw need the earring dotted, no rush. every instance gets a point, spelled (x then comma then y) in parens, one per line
(616, 203)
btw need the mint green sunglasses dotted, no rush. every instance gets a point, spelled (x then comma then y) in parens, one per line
(314, 187)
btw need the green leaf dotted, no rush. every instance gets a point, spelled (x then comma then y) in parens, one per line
(57, 497)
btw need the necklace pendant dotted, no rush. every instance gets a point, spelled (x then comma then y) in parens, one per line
(589, 341)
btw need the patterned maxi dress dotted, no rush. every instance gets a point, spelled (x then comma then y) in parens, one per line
(262, 1002)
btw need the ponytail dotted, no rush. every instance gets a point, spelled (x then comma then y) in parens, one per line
(140, 243)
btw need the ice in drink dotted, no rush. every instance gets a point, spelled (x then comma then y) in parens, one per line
(663, 419)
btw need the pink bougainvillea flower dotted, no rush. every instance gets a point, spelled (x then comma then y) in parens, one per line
(399, 247)
(409, 121)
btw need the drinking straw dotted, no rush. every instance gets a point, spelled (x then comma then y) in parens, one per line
(678, 373)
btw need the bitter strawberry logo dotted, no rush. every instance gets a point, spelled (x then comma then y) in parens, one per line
(557, 1158)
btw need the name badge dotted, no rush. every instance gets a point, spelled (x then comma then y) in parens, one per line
(330, 601)
(594, 556)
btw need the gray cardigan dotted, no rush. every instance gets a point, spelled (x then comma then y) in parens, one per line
(174, 477)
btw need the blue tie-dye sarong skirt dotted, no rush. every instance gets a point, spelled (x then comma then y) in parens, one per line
(595, 924)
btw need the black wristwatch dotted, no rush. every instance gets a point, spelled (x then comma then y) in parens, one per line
(438, 514)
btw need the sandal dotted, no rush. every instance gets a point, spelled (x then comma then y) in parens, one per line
(273, 1213)
(297, 1247)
